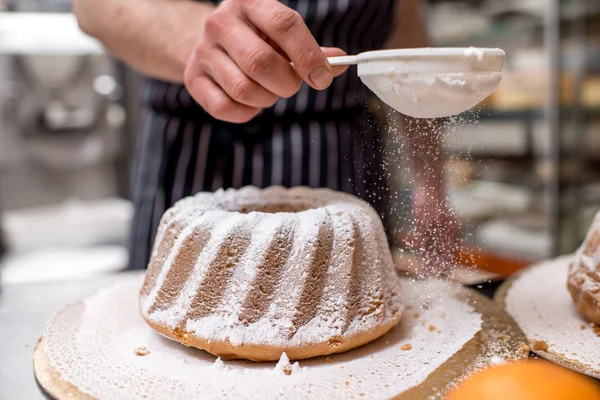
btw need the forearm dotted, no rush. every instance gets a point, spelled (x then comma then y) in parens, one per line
(156, 37)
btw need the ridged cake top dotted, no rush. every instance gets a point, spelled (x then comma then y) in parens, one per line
(279, 267)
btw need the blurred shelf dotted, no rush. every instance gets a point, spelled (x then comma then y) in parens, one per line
(502, 29)
(531, 113)
(570, 10)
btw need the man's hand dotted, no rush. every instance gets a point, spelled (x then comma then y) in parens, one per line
(435, 230)
(241, 63)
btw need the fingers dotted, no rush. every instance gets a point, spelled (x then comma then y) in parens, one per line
(335, 52)
(241, 63)
(286, 28)
(216, 102)
(235, 82)
(254, 56)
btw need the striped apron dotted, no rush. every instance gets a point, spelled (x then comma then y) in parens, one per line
(323, 138)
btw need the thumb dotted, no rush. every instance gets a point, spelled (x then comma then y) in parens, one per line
(335, 52)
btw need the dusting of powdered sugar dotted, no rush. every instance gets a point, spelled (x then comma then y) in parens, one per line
(91, 344)
(475, 53)
(538, 300)
(353, 224)
(219, 364)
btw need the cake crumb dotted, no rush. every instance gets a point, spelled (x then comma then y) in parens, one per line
(540, 345)
(596, 329)
(416, 315)
(141, 351)
(582, 327)
(284, 365)
(347, 383)
(431, 328)
(524, 348)
(407, 346)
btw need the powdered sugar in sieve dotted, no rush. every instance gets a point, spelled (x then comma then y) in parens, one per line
(540, 304)
(92, 344)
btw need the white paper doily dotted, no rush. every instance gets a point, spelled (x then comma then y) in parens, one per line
(539, 302)
(91, 345)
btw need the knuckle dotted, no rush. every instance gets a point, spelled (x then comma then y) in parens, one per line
(215, 22)
(284, 21)
(188, 76)
(199, 53)
(241, 88)
(309, 57)
(219, 107)
(259, 61)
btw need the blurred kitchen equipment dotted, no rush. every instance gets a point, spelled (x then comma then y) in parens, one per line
(63, 132)
(71, 223)
(429, 82)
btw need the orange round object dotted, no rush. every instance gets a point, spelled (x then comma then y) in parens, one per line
(530, 380)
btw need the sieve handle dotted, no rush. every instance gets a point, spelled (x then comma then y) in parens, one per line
(340, 60)
(343, 60)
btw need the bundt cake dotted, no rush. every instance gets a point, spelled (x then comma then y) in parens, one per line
(584, 274)
(252, 273)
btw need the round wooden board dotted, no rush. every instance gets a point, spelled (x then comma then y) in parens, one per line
(497, 328)
(50, 379)
(494, 322)
(560, 359)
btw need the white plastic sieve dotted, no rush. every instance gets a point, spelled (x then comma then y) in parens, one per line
(429, 82)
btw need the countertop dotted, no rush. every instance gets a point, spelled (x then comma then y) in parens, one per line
(24, 312)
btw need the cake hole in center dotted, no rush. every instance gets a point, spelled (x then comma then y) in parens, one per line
(273, 208)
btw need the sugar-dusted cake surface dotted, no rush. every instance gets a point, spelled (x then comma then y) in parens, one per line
(584, 274)
(252, 273)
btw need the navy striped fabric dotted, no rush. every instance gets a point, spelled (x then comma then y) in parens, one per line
(317, 139)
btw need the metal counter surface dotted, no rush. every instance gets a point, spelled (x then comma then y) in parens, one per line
(25, 310)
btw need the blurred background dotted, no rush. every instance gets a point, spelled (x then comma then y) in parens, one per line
(523, 169)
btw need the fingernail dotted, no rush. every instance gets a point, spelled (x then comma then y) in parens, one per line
(321, 77)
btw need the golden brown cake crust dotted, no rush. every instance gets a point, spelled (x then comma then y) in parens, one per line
(227, 351)
(584, 275)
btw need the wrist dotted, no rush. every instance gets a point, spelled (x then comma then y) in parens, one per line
(180, 51)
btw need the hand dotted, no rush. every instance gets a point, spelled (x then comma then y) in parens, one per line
(241, 64)
(435, 230)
